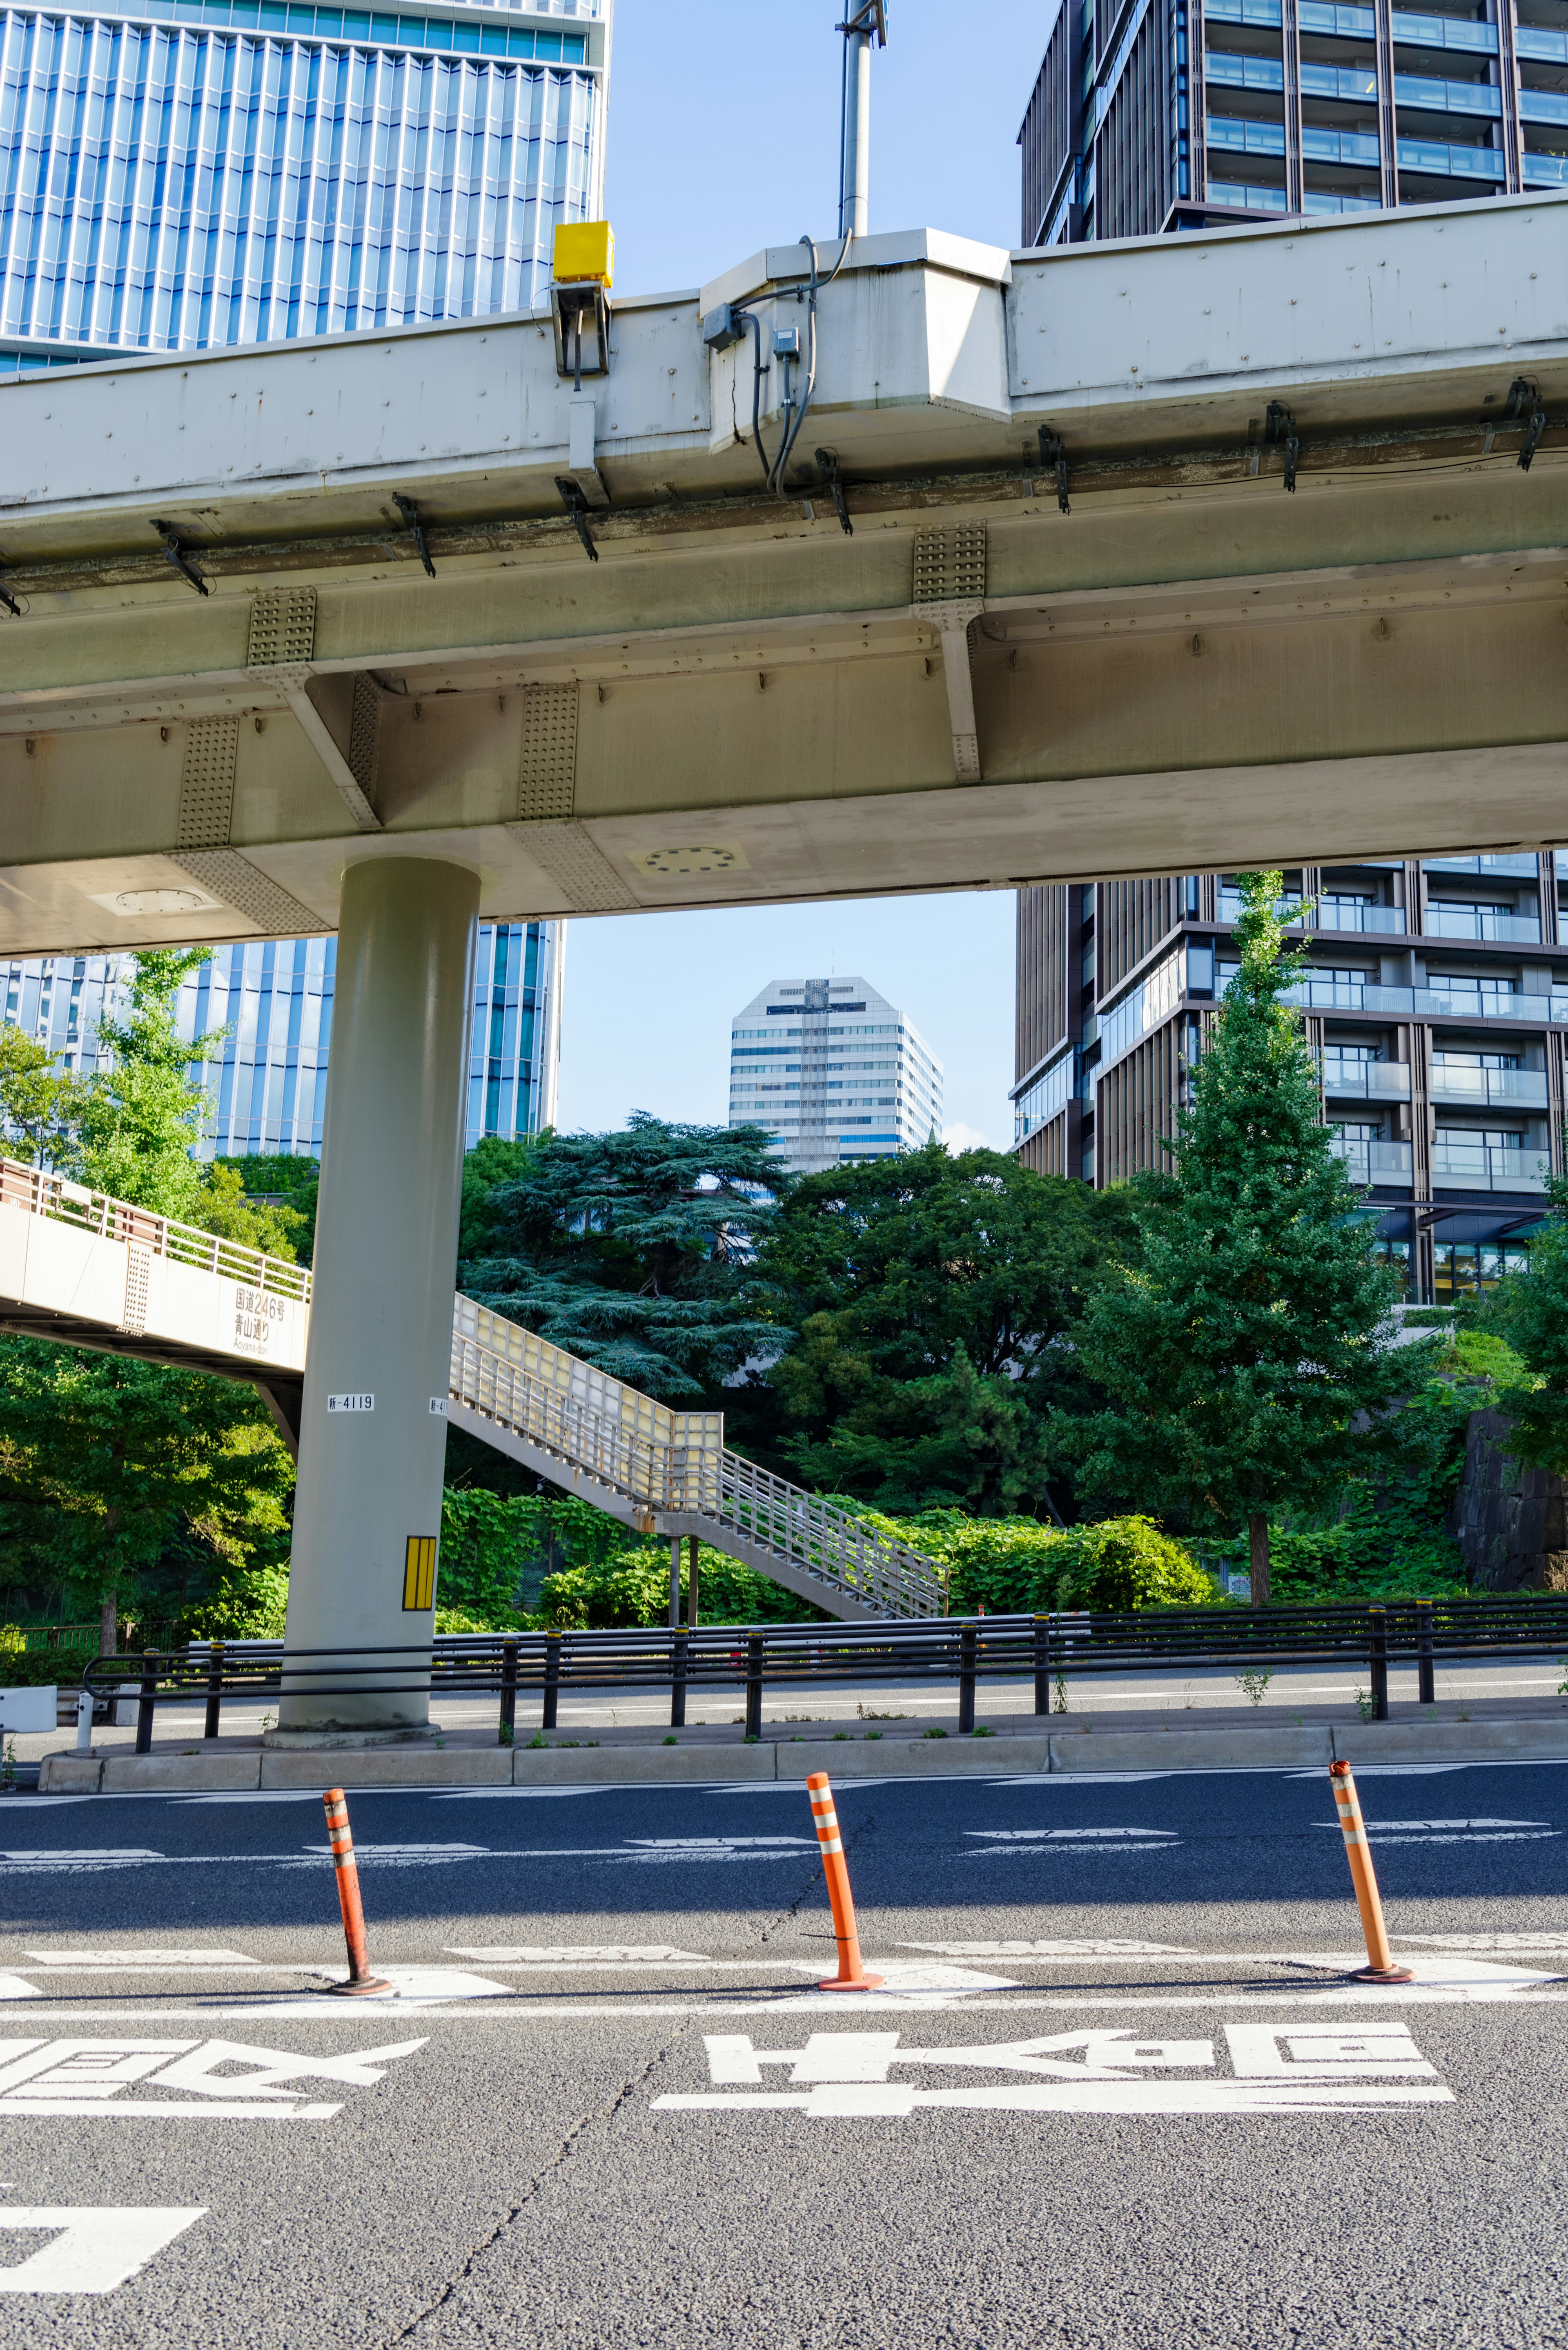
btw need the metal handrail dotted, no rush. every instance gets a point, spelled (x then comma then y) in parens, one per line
(60, 1201)
(675, 1465)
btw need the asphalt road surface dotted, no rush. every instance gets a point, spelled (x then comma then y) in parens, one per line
(1115, 2089)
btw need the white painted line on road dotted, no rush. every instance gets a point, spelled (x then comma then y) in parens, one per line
(1455, 1831)
(576, 1954)
(122, 1961)
(1080, 1778)
(1488, 1942)
(1062, 1950)
(97, 2248)
(1448, 1967)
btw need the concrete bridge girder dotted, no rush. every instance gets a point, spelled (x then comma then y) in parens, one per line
(737, 702)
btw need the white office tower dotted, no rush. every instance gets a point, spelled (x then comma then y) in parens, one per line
(835, 1071)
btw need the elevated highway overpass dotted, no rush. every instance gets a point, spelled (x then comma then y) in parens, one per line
(1168, 556)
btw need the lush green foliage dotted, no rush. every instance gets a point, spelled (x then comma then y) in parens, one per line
(1241, 1352)
(1016, 1566)
(493, 1163)
(280, 1186)
(122, 1484)
(1530, 1312)
(248, 1604)
(632, 1587)
(138, 1119)
(927, 1297)
(126, 1483)
(632, 1250)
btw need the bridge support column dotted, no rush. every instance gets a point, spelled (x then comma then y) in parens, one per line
(371, 1449)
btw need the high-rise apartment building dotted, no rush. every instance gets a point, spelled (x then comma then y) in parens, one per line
(1437, 1003)
(835, 1071)
(179, 173)
(1154, 114)
(267, 1078)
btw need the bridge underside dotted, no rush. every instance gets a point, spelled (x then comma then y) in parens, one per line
(1195, 668)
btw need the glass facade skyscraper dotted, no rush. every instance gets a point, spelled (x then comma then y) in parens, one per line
(273, 1001)
(179, 173)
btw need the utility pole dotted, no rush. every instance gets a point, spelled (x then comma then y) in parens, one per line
(862, 25)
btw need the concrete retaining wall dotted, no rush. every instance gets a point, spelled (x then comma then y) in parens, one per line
(1260, 1749)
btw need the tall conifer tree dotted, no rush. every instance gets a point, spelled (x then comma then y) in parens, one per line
(1242, 1350)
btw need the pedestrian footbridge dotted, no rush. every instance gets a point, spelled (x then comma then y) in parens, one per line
(79, 1267)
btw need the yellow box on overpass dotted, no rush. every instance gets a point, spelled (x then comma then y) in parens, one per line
(585, 251)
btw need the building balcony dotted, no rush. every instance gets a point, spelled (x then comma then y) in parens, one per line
(1443, 32)
(1434, 97)
(1367, 1080)
(1349, 24)
(1324, 994)
(1440, 922)
(1229, 70)
(1450, 163)
(1488, 1089)
(1340, 146)
(1543, 106)
(1544, 171)
(1231, 134)
(1357, 82)
(1347, 915)
(1477, 1166)
(1390, 1164)
(1522, 863)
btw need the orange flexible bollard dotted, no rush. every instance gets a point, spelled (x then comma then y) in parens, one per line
(851, 1975)
(339, 1836)
(1380, 1967)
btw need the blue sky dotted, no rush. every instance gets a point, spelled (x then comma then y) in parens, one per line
(724, 136)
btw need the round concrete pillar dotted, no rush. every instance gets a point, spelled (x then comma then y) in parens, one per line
(371, 1449)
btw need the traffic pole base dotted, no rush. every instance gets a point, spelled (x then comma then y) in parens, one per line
(1380, 1975)
(360, 1990)
(859, 1982)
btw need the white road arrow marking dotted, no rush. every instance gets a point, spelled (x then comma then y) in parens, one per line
(97, 2248)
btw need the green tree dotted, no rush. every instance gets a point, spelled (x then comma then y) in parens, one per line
(1529, 1310)
(494, 1162)
(121, 1479)
(109, 1466)
(283, 1180)
(141, 1118)
(1242, 1354)
(39, 1101)
(634, 1250)
(924, 1302)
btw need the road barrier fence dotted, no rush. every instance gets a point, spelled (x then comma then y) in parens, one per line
(1051, 1648)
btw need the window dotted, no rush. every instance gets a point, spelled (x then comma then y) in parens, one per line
(1462, 1267)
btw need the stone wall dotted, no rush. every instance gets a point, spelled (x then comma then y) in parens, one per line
(1510, 1522)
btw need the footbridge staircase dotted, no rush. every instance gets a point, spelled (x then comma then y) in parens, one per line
(87, 1270)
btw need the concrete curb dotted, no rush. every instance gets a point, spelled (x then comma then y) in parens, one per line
(1061, 1755)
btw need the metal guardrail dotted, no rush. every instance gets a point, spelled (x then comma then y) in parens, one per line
(1050, 1649)
(51, 1196)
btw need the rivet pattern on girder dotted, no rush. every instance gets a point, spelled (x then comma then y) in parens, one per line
(547, 764)
(283, 627)
(207, 783)
(950, 564)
